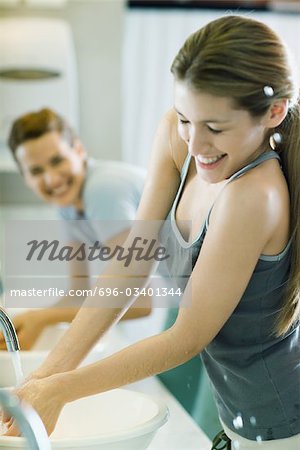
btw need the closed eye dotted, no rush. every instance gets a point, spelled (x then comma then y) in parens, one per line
(213, 130)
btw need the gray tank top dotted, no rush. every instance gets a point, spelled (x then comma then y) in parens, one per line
(255, 376)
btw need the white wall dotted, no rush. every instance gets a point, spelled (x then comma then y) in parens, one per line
(151, 40)
(97, 27)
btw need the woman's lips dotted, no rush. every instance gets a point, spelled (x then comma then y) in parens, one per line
(209, 163)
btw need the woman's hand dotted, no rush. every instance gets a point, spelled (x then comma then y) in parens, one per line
(29, 326)
(45, 397)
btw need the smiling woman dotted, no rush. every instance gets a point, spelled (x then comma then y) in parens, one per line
(218, 133)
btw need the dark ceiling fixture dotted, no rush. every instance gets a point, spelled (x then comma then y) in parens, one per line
(211, 4)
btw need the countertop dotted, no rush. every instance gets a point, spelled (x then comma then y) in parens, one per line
(180, 432)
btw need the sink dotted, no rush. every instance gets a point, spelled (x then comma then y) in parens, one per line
(33, 358)
(115, 420)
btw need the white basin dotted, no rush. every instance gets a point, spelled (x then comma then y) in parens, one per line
(115, 420)
(32, 359)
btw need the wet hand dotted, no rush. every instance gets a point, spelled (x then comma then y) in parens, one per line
(44, 397)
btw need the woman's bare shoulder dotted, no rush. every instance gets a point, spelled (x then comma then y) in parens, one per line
(261, 198)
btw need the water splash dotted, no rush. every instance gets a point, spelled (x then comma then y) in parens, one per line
(253, 420)
(258, 439)
(238, 421)
(16, 360)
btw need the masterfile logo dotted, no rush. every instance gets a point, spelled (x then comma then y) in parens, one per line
(47, 259)
(147, 250)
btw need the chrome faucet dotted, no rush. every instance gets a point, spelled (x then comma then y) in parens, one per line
(29, 422)
(9, 332)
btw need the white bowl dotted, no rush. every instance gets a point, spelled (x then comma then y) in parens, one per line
(32, 359)
(115, 420)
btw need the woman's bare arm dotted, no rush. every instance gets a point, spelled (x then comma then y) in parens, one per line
(239, 229)
(95, 317)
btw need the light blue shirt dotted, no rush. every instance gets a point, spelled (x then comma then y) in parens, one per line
(110, 195)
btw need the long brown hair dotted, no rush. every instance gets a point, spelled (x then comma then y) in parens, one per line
(245, 58)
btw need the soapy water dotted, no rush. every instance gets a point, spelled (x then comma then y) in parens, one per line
(16, 360)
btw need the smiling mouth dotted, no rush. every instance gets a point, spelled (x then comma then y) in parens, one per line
(61, 190)
(209, 160)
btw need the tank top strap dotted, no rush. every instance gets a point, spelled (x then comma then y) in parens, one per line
(183, 174)
(185, 166)
(271, 154)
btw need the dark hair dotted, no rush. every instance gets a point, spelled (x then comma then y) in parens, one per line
(35, 124)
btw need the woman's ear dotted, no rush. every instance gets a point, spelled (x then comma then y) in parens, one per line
(277, 113)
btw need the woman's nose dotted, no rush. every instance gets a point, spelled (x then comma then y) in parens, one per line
(198, 142)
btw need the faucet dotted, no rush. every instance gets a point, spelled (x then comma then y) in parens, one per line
(9, 332)
(29, 422)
